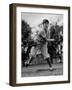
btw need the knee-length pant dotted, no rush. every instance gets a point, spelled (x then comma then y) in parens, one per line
(43, 49)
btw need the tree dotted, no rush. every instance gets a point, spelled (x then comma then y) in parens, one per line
(26, 33)
(55, 34)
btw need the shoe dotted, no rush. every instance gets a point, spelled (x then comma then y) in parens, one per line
(51, 69)
(26, 64)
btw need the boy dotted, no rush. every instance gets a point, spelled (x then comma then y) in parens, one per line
(42, 41)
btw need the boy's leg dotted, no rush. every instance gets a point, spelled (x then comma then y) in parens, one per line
(47, 58)
(48, 61)
(44, 51)
(32, 55)
(29, 61)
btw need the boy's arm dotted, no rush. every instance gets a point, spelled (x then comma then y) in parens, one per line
(42, 37)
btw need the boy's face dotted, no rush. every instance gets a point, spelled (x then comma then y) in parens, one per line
(45, 25)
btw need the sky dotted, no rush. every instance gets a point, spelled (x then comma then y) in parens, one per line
(33, 19)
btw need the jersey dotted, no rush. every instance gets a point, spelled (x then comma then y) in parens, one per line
(42, 44)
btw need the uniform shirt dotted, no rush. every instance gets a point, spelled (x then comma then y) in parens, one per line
(42, 36)
(43, 45)
(44, 48)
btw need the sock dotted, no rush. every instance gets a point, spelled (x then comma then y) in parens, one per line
(48, 61)
(31, 59)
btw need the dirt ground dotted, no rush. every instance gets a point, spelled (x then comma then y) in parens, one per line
(42, 70)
